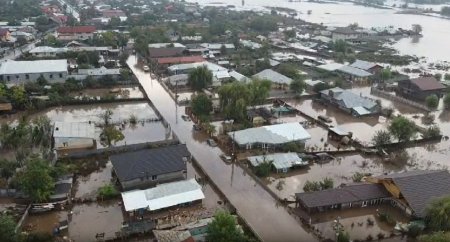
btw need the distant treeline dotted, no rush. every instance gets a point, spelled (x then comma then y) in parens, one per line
(427, 1)
(445, 11)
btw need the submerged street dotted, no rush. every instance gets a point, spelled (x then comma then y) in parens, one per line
(269, 220)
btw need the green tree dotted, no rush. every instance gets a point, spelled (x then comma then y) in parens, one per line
(340, 46)
(343, 237)
(432, 131)
(327, 183)
(321, 86)
(36, 180)
(402, 128)
(18, 97)
(440, 236)
(438, 214)
(297, 86)
(432, 101)
(289, 70)
(223, 229)
(259, 91)
(311, 186)
(289, 34)
(201, 105)
(7, 168)
(200, 78)
(447, 101)
(7, 229)
(381, 137)
(108, 191)
(111, 135)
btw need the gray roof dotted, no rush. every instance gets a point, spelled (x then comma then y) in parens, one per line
(279, 160)
(419, 188)
(347, 194)
(149, 162)
(238, 76)
(363, 65)
(31, 67)
(354, 71)
(271, 134)
(349, 99)
(73, 130)
(273, 76)
(181, 79)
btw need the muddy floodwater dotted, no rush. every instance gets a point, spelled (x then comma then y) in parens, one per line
(143, 131)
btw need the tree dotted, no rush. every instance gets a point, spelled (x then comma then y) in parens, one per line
(381, 137)
(438, 214)
(201, 105)
(289, 34)
(327, 183)
(343, 237)
(289, 70)
(7, 229)
(432, 101)
(200, 78)
(18, 96)
(340, 46)
(447, 101)
(36, 180)
(440, 236)
(223, 229)
(259, 91)
(223, 50)
(386, 74)
(417, 28)
(111, 135)
(311, 186)
(297, 86)
(402, 128)
(321, 86)
(432, 131)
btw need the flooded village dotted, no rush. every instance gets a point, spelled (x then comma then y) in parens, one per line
(241, 120)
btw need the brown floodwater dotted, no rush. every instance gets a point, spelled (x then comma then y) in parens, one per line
(87, 186)
(269, 220)
(124, 92)
(44, 222)
(142, 132)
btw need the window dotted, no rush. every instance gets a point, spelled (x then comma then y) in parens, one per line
(50, 76)
(27, 76)
(154, 177)
(60, 75)
(9, 78)
(17, 77)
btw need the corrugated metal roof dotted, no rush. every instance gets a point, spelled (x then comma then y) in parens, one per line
(349, 99)
(361, 111)
(273, 76)
(37, 66)
(363, 65)
(238, 76)
(163, 196)
(272, 134)
(330, 66)
(354, 71)
(73, 130)
(279, 160)
(211, 66)
(164, 45)
(102, 71)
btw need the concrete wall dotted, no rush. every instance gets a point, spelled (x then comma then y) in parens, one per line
(80, 36)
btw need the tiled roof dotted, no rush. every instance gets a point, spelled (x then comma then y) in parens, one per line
(149, 162)
(165, 52)
(427, 83)
(180, 60)
(347, 194)
(76, 29)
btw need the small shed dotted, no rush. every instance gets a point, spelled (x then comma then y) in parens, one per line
(281, 162)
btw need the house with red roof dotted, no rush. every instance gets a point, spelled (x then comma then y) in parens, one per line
(420, 88)
(70, 33)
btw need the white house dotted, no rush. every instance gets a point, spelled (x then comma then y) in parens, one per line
(16, 72)
(68, 135)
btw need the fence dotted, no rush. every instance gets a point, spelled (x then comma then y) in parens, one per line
(391, 97)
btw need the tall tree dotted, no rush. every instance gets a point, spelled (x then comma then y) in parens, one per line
(200, 78)
(223, 229)
(297, 86)
(259, 91)
(201, 105)
(381, 137)
(36, 180)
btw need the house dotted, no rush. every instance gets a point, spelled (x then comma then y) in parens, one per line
(420, 88)
(179, 80)
(273, 76)
(97, 73)
(73, 135)
(63, 189)
(270, 136)
(47, 51)
(168, 61)
(5, 35)
(346, 100)
(250, 44)
(367, 66)
(344, 33)
(239, 77)
(69, 33)
(27, 71)
(281, 162)
(259, 116)
(217, 47)
(414, 190)
(190, 232)
(349, 196)
(311, 83)
(149, 167)
(165, 52)
(218, 71)
(163, 196)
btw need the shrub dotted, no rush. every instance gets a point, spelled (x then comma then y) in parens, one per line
(432, 131)
(108, 192)
(432, 101)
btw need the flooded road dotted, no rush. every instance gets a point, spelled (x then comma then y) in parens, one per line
(268, 219)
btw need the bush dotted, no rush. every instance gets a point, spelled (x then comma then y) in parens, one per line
(108, 192)
(414, 230)
(433, 131)
(357, 177)
(432, 101)
(311, 186)
(263, 169)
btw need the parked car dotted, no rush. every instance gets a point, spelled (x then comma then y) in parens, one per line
(211, 143)
(226, 158)
(146, 68)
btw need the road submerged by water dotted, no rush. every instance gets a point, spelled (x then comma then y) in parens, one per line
(267, 218)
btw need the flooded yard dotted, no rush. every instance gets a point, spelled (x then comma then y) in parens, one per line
(116, 92)
(360, 223)
(144, 130)
(87, 186)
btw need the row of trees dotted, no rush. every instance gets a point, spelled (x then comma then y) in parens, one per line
(326, 183)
